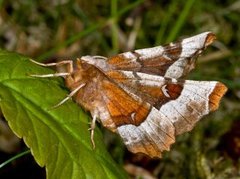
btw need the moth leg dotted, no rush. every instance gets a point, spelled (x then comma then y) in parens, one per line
(93, 124)
(69, 96)
(69, 64)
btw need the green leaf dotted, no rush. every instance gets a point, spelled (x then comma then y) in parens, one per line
(58, 138)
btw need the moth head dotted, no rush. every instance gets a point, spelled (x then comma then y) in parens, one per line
(85, 70)
(79, 65)
(76, 75)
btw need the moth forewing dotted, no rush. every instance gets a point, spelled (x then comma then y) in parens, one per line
(174, 60)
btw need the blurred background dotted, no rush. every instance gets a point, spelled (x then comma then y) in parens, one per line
(65, 29)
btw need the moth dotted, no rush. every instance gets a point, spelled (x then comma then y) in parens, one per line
(142, 94)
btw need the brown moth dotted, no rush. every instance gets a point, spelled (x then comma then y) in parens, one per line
(141, 95)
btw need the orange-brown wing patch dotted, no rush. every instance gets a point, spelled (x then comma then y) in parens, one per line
(215, 97)
(174, 90)
(156, 93)
(123, 108)
(121, 62)
(157, 65)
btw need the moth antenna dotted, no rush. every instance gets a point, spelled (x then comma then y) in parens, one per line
(50, 75)
(68, 96)
(69, 64)
(100, 57)
(41, 64)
